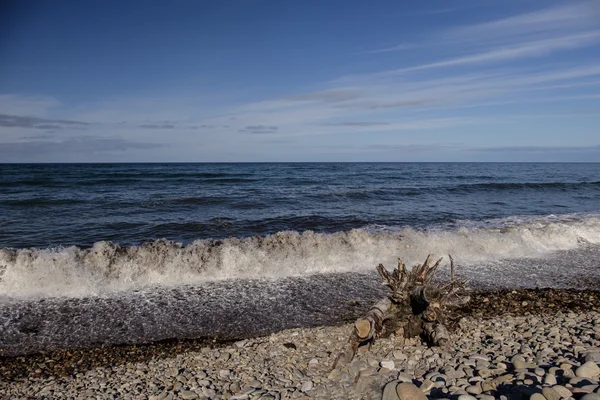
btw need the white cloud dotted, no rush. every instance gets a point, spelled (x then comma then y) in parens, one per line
(563, 17)
(523, 50)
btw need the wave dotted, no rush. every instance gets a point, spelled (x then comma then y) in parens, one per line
(169, 175)
(109, 267)
(524, 185)
(41, 201)
(410, 191)
(207, 200)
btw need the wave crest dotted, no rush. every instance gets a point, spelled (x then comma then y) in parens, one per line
(109, 267)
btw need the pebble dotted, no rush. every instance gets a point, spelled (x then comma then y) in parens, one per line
(477, 364)
(387, 364)
(307, 386)
(550, 379)
(550, 394)
(562, 391)
(590, 396)
(537, 396)
(389, 391)
(427, 385)
(408, 391)
(473, 389)
(588, 370)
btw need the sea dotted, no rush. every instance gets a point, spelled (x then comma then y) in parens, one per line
(97, 254)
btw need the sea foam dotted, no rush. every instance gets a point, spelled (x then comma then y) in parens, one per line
(108, 267)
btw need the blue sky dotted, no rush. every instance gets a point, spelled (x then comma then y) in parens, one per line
(254, 80)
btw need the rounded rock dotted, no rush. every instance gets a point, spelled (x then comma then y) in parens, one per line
(590, 396)
(307, 386)
(537, 396)
(188, 394)
(427, 385)
(550, 379)
(588, 370)
(551, 394)
(408, 391)
(562, 391)
(389, 364)
(594, 356)
(389, 391)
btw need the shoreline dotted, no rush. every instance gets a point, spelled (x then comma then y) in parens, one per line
(62, 369)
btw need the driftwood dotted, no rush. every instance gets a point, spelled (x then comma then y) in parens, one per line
(414, 306)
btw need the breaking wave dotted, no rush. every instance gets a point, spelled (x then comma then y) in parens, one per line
(108, 267)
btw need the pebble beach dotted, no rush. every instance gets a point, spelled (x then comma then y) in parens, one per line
(522, 344)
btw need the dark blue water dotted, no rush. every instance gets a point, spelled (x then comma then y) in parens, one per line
(79, 204)
(81, 244)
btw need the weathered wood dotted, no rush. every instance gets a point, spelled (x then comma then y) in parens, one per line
(414, 306)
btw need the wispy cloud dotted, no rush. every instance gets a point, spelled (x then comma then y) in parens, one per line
(18, 121)
(80, 147)
(523, 50)
(157, 126)
(553, 20)
(399, 47)
(531, 34)
(376, 104)
(358, 123)
(259, 129)
(328, 96)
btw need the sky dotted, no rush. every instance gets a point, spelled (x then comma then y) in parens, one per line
(258, 80)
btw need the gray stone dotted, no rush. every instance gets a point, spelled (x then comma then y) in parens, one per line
(408, 391)
(224, 373)
(389, 391)
(588, 370)
(427, 385)
(334, 375)
(474, 389)
(550, 394)
(488, 386)
(581, 381)
(590, 396)
(594, 356)
(550, 379)
(466, 397)
(562, 391)
(590, 388)
(188, 394)
(389, 364)
(307, 386)
(537, 396)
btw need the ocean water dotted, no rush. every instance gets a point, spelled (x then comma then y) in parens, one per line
(202, 250)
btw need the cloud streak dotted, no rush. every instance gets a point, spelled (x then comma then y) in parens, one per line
(259, 129)
(523, 50)
(17, 121)
(157, 126)
(77, 147)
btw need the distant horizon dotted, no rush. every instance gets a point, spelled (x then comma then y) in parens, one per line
(266, 80)
(298, 162)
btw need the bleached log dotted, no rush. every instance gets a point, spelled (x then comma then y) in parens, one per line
(414, 306)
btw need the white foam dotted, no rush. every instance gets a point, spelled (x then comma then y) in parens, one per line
(107, 267)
